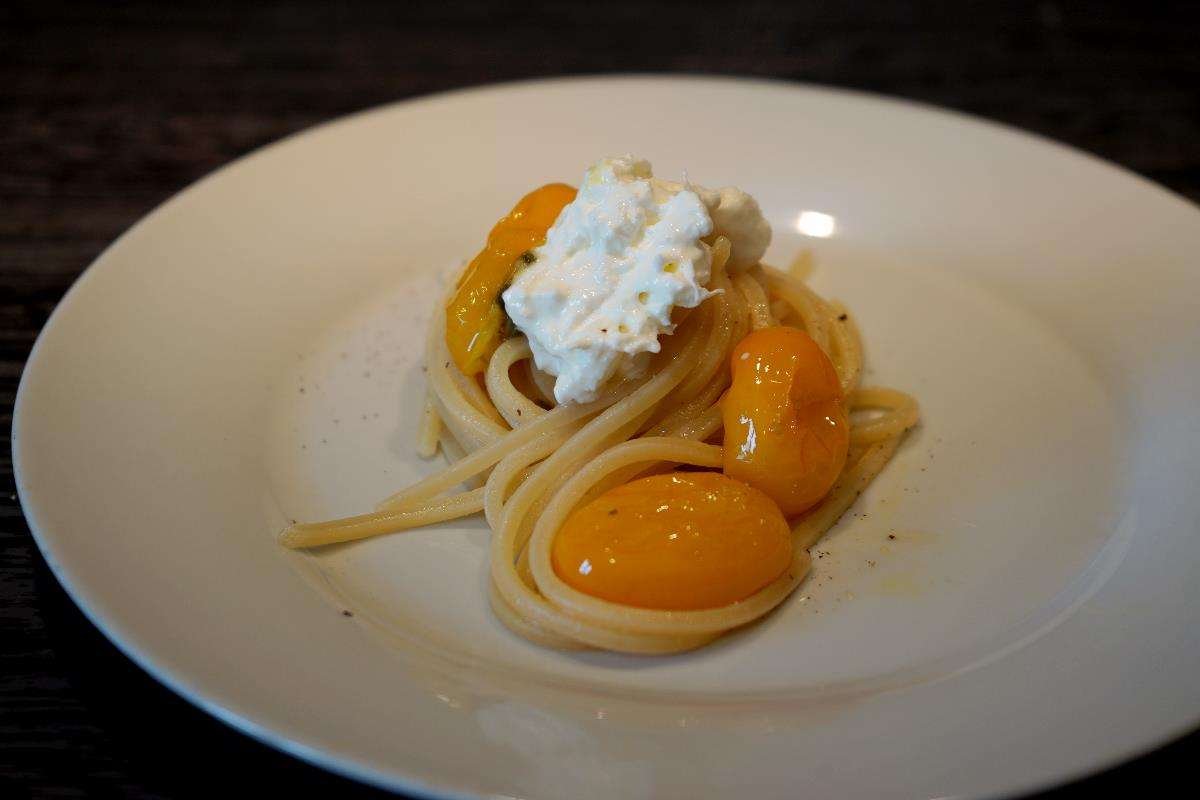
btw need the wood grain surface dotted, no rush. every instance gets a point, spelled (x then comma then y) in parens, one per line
(107, 109)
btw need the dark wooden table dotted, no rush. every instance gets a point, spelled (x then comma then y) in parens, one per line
(106, 110)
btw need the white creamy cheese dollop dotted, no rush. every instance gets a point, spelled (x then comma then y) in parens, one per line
(615, 263)
(736, 216)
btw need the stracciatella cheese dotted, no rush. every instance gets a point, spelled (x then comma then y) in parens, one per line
(736, 216)
(618, 259)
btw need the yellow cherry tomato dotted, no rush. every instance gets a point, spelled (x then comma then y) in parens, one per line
(685, 540)
(475, 323)
(786, 430)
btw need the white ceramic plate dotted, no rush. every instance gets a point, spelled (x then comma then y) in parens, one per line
(250, 353)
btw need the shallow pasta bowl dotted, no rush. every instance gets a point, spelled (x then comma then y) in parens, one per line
(981, 623)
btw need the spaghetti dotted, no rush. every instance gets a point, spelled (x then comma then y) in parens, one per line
(534, 462)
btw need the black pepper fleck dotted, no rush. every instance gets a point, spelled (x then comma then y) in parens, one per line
(346, 613)
(842, 317)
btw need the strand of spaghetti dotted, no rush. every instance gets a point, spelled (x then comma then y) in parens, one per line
(509, 468)
(584, 636)
(711, 357)
(515, 407)
(641, 620)
(722, 310)
(810, 307)
(522, 568)
(697, 405)
(719, 381)
(741, 317)
(470, 388)
(901, 413)
(701, 426)
(696, 429)
(527, 629)
(809, 529)
(469, 429)
(450, 446)
(756, 299)
(490, 454)
(847, 347)
(725, 326)
(455, 453)
(430, 429)
(689, 397)
(363, 526)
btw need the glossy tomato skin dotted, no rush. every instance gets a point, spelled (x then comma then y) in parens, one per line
(474, 319)
(680, 541)
(786, 430)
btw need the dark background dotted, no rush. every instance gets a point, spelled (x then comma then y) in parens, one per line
(107, 109)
